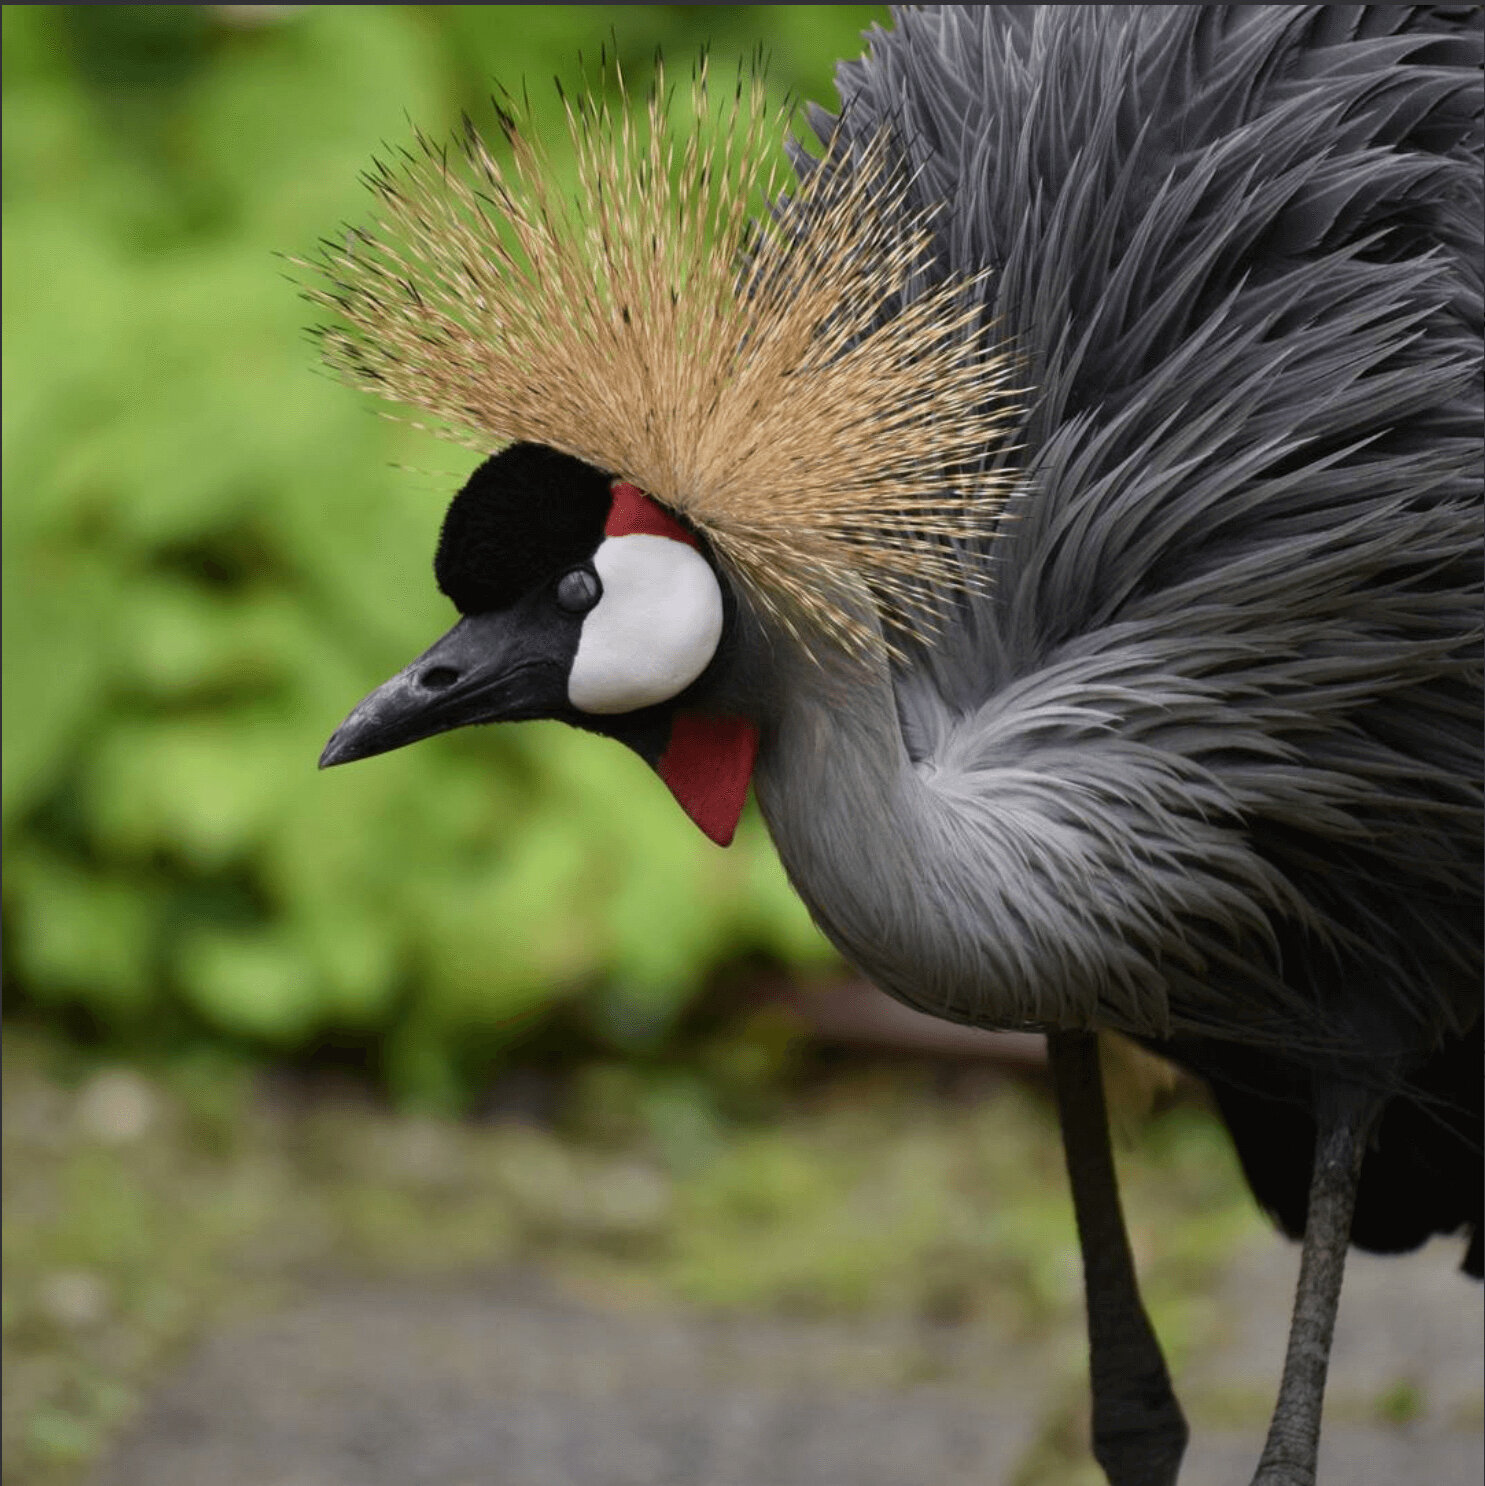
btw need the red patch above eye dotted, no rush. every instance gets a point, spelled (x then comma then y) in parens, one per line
(633, 513)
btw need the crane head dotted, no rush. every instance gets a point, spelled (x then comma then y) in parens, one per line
(711, 398)
(581, 599)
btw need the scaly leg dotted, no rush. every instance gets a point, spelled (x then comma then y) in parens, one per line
(1139, 1433)
(1344, 1120)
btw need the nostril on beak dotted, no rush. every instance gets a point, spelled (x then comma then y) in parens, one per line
(438, 678)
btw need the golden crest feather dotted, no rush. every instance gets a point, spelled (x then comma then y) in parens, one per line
(765, 366)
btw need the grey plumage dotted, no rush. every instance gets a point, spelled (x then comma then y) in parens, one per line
(1205, 763)
(1200, 758)
(1228, 675)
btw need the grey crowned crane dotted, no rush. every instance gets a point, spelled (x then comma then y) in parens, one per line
(1064, 507)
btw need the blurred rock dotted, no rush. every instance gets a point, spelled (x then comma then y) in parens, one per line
(423, 1152)
(117, 1106)
(630, 1200)
(76, 1299)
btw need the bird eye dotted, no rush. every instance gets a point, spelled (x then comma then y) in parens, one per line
(578, 590)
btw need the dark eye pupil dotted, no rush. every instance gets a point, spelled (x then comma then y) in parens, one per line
(579, 590)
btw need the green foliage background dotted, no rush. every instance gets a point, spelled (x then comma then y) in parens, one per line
(210, 553)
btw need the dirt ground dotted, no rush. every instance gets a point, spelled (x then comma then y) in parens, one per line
(213, 1279)
(513, 1384)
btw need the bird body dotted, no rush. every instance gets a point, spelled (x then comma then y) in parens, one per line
(1204, 764)
(1129, 674)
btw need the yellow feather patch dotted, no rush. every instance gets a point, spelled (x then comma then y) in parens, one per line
(766, 367)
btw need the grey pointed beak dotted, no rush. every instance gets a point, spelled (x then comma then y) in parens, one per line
(488, 668)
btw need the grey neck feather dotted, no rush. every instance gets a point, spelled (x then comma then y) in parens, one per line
(897, 862)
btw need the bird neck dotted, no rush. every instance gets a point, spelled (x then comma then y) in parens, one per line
(1020, 873)
(881, 858)
(937, 877)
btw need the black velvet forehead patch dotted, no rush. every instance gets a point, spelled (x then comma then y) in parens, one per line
(525, 515)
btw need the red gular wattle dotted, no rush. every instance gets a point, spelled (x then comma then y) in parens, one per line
(707, 766)
(707, 762)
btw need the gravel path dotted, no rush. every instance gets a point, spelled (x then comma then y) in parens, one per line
(513, 1385)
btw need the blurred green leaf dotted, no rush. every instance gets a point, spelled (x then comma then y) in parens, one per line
(55, 614)
(253, 984)
(204, 788)
(289, 117)
(212, 550)
(85, 937)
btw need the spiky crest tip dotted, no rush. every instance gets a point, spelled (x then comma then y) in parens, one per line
(772, 368)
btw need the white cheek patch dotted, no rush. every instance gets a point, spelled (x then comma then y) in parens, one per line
(653, 632)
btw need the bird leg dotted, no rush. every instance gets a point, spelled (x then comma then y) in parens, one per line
(1139, 1433)
(1343, 1121)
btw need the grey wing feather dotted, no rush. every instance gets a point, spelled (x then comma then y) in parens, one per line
(1240, 249)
